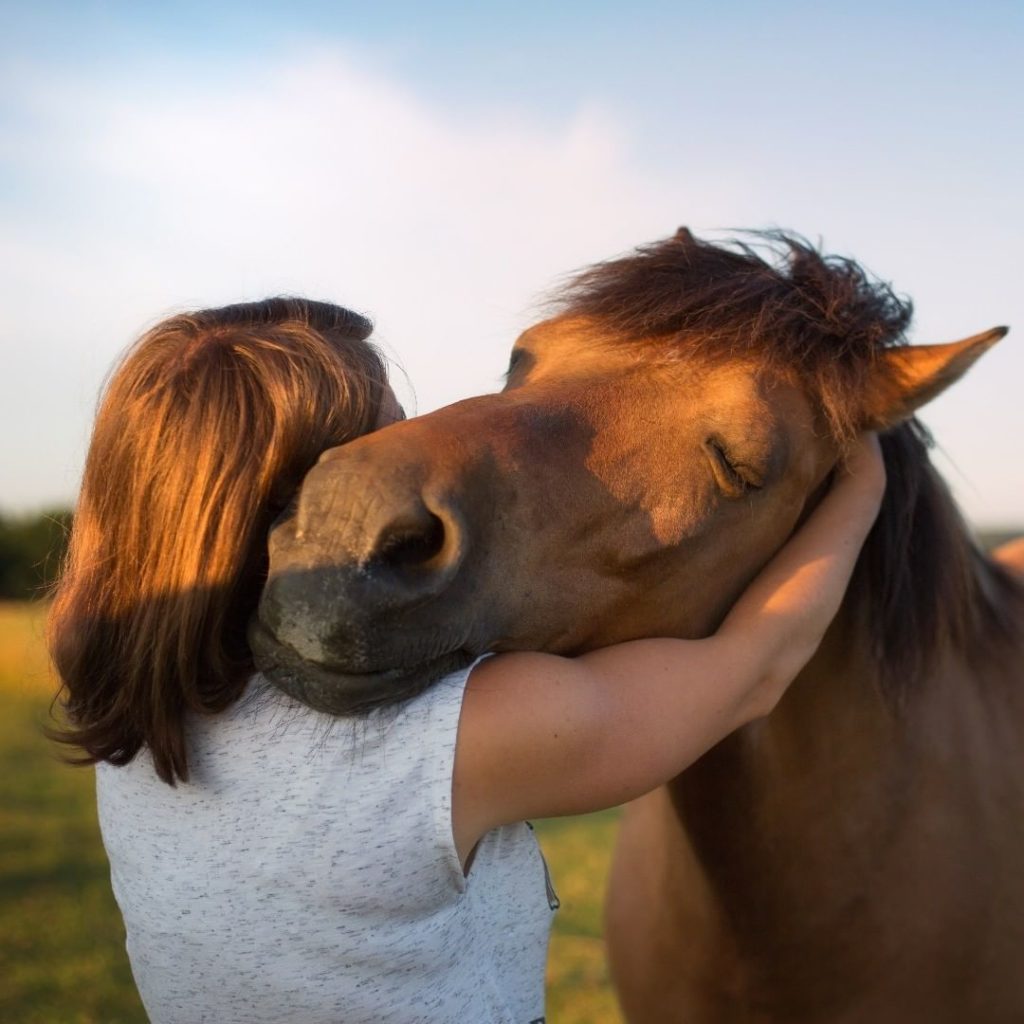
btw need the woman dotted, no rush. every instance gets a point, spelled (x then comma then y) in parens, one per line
(273, 864)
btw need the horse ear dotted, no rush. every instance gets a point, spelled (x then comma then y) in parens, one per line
(904, 379)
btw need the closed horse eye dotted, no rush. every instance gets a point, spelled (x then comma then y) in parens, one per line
(514, 360)
(521, 363)
(735, 477)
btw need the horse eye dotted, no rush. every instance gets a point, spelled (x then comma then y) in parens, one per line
(514, 360)
(738, 478)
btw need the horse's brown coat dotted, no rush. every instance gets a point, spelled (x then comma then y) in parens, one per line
(856, 858)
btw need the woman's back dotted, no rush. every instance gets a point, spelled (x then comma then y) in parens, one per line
(307, 872)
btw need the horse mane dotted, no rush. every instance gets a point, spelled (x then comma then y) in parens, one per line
(924, 583)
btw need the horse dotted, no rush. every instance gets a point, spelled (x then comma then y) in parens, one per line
(858, 856)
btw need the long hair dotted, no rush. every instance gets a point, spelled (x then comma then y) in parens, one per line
(204, 431)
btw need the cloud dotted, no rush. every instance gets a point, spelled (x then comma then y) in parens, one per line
(316, 174)
(131, 191)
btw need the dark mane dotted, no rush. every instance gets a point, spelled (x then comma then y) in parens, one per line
(925, 584)
(775, 298)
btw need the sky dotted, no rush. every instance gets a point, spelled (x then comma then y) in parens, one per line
(441, 166)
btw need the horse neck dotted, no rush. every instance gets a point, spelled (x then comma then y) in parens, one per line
(857, 723)
(835, 711)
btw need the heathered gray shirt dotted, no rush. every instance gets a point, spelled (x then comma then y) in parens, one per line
(307, 874)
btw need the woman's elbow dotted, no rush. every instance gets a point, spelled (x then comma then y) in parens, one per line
(763, 698)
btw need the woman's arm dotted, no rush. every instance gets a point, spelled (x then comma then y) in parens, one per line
(542, 736)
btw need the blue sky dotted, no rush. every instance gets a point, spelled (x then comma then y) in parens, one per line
(440, 165)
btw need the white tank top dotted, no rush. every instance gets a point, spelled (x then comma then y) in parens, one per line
(307, 874)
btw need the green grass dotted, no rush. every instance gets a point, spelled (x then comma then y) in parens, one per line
(62, 957)
(578, 851)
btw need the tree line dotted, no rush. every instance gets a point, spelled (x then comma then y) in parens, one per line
(31, 552)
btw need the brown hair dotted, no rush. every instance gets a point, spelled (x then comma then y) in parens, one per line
(774, 297)
(205, 430)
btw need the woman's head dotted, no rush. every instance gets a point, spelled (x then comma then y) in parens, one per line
(205, 430)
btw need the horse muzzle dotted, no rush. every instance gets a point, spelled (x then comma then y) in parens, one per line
(335, 691)
(344, 620)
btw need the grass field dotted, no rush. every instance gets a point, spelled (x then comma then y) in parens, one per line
(62, 949)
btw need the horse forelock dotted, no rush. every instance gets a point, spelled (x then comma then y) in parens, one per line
(775, 299)
(923, 582)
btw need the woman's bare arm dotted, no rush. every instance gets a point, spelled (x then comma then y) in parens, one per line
(542, 736)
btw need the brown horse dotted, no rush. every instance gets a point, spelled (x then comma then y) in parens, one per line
(858, 856)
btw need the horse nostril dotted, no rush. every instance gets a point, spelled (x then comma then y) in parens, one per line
(407, 544)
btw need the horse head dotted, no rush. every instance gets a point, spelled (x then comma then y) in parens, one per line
(658, 439)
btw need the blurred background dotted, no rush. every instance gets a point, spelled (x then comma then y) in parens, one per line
(439, 167)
